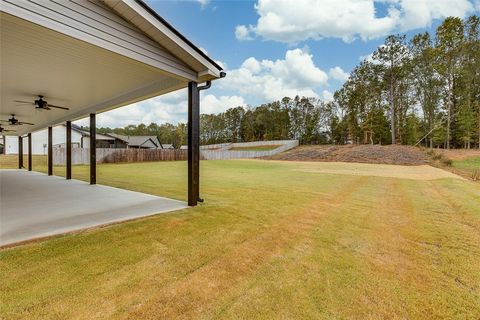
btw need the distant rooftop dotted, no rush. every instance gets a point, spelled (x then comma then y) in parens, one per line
(136, 141)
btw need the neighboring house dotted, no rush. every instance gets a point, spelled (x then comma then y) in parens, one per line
(139, 142)
(102, 140)
(80, 139)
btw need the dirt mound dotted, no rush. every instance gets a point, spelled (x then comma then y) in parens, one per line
(403, 155)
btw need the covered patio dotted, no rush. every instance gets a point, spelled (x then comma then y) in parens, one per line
(35, 205)
(64, 61)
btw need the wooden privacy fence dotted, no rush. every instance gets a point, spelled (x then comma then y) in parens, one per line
(82, 155)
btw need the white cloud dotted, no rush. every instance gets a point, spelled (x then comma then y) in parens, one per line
(337, 73)
(171, 107)
(367, 57)
(269, 80)
(292, 21)
(203, 3)
(421, 13)
(211, 104)
(252, 64)
(327, 96)
(242, 33)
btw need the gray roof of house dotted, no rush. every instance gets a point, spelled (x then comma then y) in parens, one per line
(136, 140)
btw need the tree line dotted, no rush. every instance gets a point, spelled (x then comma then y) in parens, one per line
(305, 119)
(422, 91)
(426, 90)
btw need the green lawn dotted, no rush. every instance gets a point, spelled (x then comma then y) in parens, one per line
(468, 166)
(272, 240)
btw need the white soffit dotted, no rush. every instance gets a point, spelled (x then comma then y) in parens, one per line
(68, 72)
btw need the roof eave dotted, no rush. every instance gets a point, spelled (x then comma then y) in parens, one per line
(143, 14)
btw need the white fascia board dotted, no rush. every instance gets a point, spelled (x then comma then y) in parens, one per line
(171, 35)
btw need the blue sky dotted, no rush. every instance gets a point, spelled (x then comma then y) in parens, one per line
(273, 48)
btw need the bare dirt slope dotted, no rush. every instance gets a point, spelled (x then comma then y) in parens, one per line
(401, 155)
(459, 154)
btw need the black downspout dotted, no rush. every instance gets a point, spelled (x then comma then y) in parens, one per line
(50, 151)
(193, 145)
(30, 152)
(20, 152)
(93, 155)
(68, 147)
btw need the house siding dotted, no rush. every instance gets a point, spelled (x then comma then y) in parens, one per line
(93, 22)
(40, 141)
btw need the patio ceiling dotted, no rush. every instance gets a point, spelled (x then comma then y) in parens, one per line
(70, 73)
(88, 57)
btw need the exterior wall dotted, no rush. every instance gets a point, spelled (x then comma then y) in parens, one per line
(40, 141)
(95, 23)
(119, 144)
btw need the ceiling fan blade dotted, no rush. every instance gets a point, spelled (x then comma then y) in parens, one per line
(54, 106)
(21, 122)
(20, 101)
(5, 121)
(9, 130)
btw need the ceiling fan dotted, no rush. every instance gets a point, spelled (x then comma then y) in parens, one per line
(2, 129)
(15, 122)
(41, 104)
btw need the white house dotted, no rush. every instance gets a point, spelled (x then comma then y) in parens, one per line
(80, 139)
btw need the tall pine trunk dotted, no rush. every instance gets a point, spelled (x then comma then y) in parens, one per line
(392, 111)
(448, 124)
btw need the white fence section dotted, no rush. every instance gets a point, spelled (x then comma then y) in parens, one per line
(223, 152)
(218, 146)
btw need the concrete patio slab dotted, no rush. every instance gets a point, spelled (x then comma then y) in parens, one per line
(35, 205)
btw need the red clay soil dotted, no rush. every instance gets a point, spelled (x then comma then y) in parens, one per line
(401, 155)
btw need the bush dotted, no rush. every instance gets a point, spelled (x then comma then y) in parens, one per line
(439, 158)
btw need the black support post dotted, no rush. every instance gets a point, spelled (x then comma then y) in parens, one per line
(93, 156)
(50, 151)
(193, 143)
(68, 146)
(30, 152)
(20, 152)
